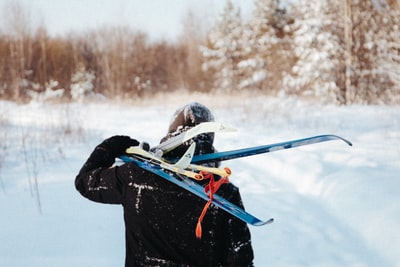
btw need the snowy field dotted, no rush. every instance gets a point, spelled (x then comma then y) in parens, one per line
(333, 205)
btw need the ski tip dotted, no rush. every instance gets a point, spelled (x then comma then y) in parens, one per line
(349, 143)
(345, 140)
(225, 128)
(215, 127)
(261, 223)
(328, 137)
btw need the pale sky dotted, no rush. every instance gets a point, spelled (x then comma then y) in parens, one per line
(157, 18)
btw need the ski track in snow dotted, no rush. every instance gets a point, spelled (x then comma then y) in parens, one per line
(333, 205)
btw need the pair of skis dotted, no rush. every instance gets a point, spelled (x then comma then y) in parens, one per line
(182, 171)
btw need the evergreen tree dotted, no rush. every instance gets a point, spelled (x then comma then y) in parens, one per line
(318, 50)
(340, 52)
(224, 50)
(266, 35)
(249, 55)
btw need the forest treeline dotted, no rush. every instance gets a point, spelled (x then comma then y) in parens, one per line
(335, 51)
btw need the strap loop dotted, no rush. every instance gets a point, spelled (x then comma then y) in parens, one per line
(209, 189)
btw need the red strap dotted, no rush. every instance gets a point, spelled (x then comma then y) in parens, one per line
(209, 189)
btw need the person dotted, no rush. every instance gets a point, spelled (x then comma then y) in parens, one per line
(160, 216)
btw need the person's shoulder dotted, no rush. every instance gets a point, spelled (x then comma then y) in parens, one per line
(131, 173)
(228, 189)
(132, 170)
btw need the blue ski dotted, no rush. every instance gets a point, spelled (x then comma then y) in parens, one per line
(245, 152)
(198, 190)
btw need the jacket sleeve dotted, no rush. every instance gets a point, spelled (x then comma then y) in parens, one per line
(239, 248)
(97, 180)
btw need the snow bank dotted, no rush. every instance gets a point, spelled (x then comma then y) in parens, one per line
(333, 205)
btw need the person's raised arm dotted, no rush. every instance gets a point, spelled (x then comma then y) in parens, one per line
(96, 180)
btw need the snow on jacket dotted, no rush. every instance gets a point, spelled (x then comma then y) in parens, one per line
(160, 217)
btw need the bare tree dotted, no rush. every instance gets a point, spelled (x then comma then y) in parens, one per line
(17, 25)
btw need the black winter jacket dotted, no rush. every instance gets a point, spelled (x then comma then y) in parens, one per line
(160, 217)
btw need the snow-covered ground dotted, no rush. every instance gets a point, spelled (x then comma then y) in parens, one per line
(333, 205)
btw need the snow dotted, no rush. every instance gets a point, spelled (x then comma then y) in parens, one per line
(333, 205)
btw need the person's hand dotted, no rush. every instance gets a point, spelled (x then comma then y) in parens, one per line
(117, 145)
